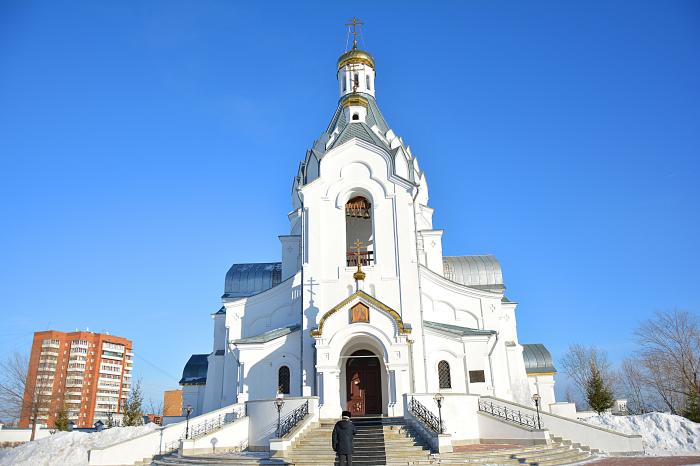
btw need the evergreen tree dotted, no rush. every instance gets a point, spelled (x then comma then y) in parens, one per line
(133, 408)
(691, 409)
(61, 422)
(598, 394)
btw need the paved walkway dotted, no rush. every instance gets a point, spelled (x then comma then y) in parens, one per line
(647, 461)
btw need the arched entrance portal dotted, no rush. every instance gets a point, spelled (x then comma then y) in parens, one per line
(363, 383)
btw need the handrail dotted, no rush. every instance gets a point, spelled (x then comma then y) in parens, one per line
(365, 257)
(566, 419)
(511, 414)
(209, 425)
(425, 416)
(290, 421)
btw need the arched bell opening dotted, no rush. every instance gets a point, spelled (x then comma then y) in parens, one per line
(359, 232)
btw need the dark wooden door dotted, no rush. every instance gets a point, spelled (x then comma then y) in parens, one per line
(364, 384)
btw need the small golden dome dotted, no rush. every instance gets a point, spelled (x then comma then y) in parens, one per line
(355, 56)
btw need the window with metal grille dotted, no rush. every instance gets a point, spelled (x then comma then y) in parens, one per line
(283, 380)
(444, 374)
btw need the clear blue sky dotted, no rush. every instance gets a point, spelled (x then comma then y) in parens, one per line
(146, 146)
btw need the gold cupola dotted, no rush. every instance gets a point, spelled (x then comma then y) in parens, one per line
(355, 57)
(356, 69)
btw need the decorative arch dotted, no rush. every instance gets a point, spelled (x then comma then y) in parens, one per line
(403, 329)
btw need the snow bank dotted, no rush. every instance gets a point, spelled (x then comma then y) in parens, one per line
(663, 434)
(68, 448)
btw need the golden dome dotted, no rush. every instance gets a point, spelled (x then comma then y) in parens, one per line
(355, 56)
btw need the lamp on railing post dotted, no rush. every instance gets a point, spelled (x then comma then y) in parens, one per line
(279, 402)
(536, 399)
(438, 399)
(188, 411)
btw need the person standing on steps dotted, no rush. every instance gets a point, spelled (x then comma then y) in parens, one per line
(343, 433)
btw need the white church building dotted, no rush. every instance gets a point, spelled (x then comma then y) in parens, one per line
(363, 306)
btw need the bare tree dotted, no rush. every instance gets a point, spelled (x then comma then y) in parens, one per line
(639, 400)
(670, 357)
(577, 363)
(13, 375)
(21, 397)
(155, 407)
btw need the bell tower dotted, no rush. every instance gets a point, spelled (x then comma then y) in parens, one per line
(356, 73)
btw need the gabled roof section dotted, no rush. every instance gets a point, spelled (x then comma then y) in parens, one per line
(483, 272)
(358, 130)
(244, 280)
(195, 371)
(454, 330)
(403, 327)
(538, 359)
(267, 336)
(373, 130)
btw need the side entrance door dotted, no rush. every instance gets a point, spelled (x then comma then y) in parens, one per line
(364, 384)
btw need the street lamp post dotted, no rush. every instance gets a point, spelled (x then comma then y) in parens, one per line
(438, 399)
(188, 411)
(536, 399)
(279, 402)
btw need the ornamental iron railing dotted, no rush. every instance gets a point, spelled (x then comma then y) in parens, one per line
(364, 257)
(510, 414)
(429, 420)
(203, 428)
(290, 421)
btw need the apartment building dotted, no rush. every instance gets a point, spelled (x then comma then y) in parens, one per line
(89, 372)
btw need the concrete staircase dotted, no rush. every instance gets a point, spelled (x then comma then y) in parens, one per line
(222, 459)
(402, 446)
(391, 442)
(379, 442)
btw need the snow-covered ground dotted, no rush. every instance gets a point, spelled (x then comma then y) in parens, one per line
(663, 434)
(68, 448)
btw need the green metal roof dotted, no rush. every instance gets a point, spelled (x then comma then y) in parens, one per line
(267, 336)
(456, 330)
(537, 359)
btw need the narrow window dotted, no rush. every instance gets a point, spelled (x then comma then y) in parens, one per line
(444, 374)
(359, 237)
(344, 83)
(367, 79)
(356, 79)
(283, 380)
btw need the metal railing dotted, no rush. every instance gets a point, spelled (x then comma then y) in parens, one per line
(509, 414)
(203, 428)
(289, 422)
(429, 420)
(365, 258)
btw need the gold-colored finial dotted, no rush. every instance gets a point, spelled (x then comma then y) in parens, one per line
(354, 22)
(359, 275)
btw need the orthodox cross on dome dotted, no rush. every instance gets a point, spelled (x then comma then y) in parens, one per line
(354, 22)
(359, 275)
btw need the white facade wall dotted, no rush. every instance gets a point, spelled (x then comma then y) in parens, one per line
(406, 278)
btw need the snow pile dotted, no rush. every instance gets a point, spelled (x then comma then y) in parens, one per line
(663, 434)
(68, 448)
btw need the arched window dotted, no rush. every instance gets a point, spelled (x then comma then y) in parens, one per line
(283, 380)
(444, 374)
(355, 117)
(359, 231)
(367, 79)
(356, 79)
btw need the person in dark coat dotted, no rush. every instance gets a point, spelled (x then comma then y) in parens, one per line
(343, 433)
